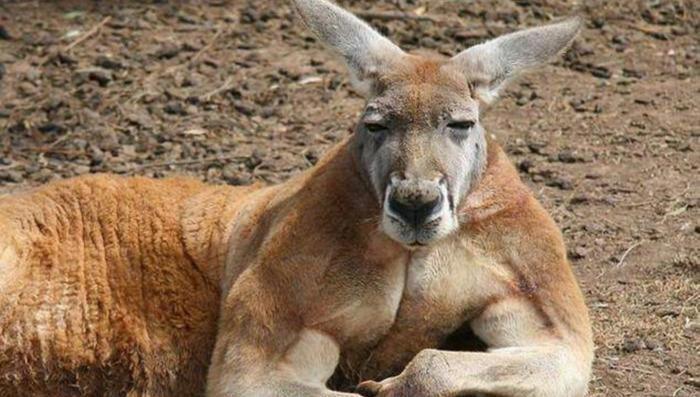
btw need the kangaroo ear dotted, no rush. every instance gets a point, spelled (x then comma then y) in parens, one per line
(367, 53)
(491, 64)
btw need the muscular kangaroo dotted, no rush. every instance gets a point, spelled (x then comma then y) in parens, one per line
(346, 279)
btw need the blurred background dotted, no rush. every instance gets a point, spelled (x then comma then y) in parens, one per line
(238, 91)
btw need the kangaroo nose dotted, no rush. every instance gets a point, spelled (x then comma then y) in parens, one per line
(414, 210)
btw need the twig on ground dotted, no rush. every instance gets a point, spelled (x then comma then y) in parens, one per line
(224, 87)
(614, 365)
(189, 162)
(624, 256)
(205, 48)
(87, 34)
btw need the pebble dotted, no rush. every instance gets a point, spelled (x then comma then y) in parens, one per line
(167, 51)
(102, 76)
(668, 312)
(43, 175)
(4, 34)
(579, 252)
(525, 165)
(568, 156)
(633, 345)
(693, 326)
(11, 176)
(50, 128)
(107, 139)
(81, 169)
(175, 108)
(536, 147)
(652, 344)
(560, 182)
(233, 175)
(106, 62)
(27, 88)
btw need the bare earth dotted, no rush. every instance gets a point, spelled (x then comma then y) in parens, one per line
(233, 92)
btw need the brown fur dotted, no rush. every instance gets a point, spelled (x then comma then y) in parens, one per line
(102, 295)
(115, 281)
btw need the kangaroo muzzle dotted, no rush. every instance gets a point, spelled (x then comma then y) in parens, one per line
(415, 201)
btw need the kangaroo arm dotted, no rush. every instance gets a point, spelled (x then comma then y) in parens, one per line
(529, 358)
(264, 350)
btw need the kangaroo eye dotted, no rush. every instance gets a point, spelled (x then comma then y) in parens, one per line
(461, 125)
(375, 128)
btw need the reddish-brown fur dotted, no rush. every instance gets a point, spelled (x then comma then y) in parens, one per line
(115, 285)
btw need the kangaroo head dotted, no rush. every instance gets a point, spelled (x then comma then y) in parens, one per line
(419, 141)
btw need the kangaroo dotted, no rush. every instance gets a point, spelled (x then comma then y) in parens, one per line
(368, 274)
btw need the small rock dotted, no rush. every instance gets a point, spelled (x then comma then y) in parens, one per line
(43, 175)
(633, 73)
(311, 156)
(600, 71)
(578, 105)
(81, 169)
(536, 147)
(693, 326)
(633, 345)
(107, 139)
(97, 156)
(249, 15)
(668, 312)
(652, 344)
(175, 108)
(102, 76)
(560, 182)
(244, 108)
(567, 156)
(695, 382)
(213, 173)
(32, 74)
(11, 176)
(254, 160)
(167, 51)
(106, 62)
(580, 199)
(186, 18)
(64, 58)
(233, 176)
(4, 34)
(27, 88)
(579, 252)
(525, 165)
(50, 128)
(644, 101)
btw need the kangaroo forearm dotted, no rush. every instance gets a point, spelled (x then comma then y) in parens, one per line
(272, 388)
(542, 371)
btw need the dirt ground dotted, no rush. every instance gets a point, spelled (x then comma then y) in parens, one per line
(233, 92)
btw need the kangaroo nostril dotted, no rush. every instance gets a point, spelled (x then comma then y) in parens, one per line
(414, 210)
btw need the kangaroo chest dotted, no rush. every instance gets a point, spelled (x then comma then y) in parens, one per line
(443, 289)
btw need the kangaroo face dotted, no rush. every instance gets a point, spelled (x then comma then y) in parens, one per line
(422, 147)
